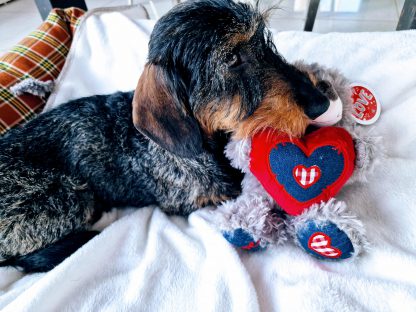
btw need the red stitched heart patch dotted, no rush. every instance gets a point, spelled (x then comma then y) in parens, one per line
(306, 177)
(321, 244)
(300, 172)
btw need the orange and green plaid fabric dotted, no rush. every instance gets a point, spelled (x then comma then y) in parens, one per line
(41, 55)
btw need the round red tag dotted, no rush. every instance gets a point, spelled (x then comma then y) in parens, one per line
(366, 108)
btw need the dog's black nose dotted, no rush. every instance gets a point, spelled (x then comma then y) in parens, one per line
(316, 106)
(310, 98)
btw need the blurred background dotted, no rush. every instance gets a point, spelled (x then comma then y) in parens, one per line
(20, 17)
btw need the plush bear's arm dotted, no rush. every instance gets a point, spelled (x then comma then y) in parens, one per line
(369, 152)
(238, 152)
(368, 147)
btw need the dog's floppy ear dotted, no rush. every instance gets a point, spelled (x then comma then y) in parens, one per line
(160, 115)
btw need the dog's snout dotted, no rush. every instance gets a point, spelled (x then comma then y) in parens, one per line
(316, 106)
(313, 101)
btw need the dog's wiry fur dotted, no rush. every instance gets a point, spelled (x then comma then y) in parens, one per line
(211, 66)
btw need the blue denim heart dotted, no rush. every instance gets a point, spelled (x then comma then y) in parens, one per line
(287, 156)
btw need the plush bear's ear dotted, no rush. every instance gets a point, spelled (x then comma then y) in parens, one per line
(160, 115)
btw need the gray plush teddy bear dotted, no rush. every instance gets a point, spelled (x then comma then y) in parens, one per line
(329, 230)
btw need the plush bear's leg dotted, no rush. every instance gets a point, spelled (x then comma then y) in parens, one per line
(250, 222)
(329, 231)
(242, 239)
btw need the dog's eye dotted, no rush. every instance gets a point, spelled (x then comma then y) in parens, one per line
(234, 60)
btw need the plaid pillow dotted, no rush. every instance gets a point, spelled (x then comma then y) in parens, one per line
(41, 55)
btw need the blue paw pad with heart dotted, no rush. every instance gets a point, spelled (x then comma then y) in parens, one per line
(242, 239)
(325, 241)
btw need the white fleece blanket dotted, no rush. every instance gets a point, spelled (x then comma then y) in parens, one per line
(146, 261)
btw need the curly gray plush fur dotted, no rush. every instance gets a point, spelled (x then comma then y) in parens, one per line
(33, 86)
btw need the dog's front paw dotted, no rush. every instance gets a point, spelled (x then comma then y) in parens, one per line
(242, 239)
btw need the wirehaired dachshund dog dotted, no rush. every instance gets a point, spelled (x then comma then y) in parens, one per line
(212, 72)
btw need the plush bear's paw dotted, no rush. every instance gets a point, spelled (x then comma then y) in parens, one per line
(242, 239)
(325, 241)
(362, 154)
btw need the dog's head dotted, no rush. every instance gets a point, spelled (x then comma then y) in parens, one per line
(213, 66)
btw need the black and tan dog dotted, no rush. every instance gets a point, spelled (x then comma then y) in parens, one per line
(212, 72)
